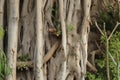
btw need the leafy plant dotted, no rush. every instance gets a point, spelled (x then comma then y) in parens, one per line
(114, 51)
(4, 68)
(23, 66)
(110, 38)
(24, 62)
(90, 76)
(111, 59)
(109, 16)
(70, 27)
(25, 57)
(55, 19)
(59, 32)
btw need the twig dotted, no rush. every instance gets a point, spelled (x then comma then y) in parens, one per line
(99, 29)
(113, 30)
(112, 59)
(105, 33)
(99, 47)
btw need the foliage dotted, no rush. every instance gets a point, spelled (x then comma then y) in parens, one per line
(1, 32)
(23, 60)
(114, 51)
(56, 22)
(59, 32)
(4, 68)
(25, 57)
(114, 59)
(70, 27)
(109, 17)
(98, 76)
(55, 19)
(23, 66)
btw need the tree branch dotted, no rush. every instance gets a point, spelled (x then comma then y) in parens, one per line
(50, 52)
(113, 30)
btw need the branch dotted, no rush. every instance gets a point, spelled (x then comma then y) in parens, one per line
(113, 30)
(91, 67)
(99, 29)
(50, 52)
(93, 53)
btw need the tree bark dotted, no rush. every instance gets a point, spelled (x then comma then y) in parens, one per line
(85, 27)
(1, 19)
(66, 61)
(39, 42)
(62, 72)
(12, 37)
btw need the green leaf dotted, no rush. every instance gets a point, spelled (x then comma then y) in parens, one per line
(59, 32)
(1, 32)
(70, 27)
(4, 68)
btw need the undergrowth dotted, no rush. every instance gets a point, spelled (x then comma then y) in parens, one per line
(4, 68)
(110, 17)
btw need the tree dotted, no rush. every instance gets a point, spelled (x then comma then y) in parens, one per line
(54, 33)
(39, 42)
(12, 37)
(1, 19)
(74, 39)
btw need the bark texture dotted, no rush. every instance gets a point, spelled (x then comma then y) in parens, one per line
(12, 37)
(65, 16)
(1, 19)
(39, 42)
(54, 33)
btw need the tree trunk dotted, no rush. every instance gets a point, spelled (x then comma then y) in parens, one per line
(1, 19)
(12, 37)
(39, 42)
(74, 19)
(62, 72)
(84, 36)
(54, 33)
